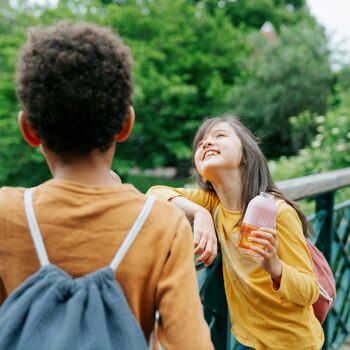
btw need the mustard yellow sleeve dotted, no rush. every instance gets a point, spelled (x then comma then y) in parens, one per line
(206, 199)
(298, 283)
(182, 324)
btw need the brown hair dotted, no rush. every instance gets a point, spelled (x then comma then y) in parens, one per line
(256, 176)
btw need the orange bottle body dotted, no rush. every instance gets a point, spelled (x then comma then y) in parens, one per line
(245, 233)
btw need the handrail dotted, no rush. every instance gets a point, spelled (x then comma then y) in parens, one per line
(314, 185)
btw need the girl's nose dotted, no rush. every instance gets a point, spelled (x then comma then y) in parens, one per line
(207, 142)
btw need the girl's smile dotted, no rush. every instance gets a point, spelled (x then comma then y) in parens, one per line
(210, 153)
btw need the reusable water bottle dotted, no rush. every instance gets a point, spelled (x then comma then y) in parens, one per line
(261, 212)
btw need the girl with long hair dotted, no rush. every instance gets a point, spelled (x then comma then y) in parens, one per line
(271, 291)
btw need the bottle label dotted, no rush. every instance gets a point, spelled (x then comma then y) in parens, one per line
(262, 222)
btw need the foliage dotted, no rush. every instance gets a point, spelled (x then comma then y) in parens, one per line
(182, 72)
(19, 164)
(192, 59)
(284, 76)
(342, 77)
(252, 14)
(143, 182)
(329, 150)
(180, 75)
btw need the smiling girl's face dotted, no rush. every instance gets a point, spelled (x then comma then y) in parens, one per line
(219, 149)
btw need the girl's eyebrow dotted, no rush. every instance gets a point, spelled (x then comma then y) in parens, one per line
(220, 130)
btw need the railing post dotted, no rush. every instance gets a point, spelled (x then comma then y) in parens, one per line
(325, 202)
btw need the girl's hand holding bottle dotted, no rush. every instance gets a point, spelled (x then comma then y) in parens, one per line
(257, 234)
(266, 248)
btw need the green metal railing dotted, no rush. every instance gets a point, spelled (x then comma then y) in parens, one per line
(331, 225)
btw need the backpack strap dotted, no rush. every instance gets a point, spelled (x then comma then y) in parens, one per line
(34, 228)
(39, 243)
(133, 232)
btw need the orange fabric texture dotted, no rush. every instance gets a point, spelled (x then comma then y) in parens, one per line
(84, 226)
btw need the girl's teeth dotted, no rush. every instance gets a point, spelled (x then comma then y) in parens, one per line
(210, 154)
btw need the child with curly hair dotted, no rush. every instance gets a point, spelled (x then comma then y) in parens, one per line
(74, 85)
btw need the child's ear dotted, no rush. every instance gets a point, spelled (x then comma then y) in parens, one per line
(128, 125)
(27, 131)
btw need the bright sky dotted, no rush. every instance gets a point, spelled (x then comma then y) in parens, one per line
(334, 15)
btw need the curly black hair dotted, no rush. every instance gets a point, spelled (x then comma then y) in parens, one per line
(74, 82)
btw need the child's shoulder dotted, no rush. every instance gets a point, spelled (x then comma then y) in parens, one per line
(283, 206)
(285, 211)
(281, 203)
(166, 209)
(10, 194)
(11, 199)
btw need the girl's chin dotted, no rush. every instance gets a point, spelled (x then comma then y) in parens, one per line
(213, 172)
(209, 173)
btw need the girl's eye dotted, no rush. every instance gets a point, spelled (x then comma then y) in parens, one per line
(220, 135)
(199, 144)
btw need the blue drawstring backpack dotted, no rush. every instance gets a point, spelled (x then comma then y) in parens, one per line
(53, 311)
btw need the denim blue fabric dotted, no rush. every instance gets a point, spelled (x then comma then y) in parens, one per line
(53, 311)
(243, 347)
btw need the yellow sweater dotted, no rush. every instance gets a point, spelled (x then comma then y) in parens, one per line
(83, 228)
(261, 317)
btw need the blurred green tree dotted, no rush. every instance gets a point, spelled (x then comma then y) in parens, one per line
(185, 64)
(192, 59)
(343, 77)
(252, 14)
(284, 76)
(329, 149)
(182, 71)
(19, 165)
